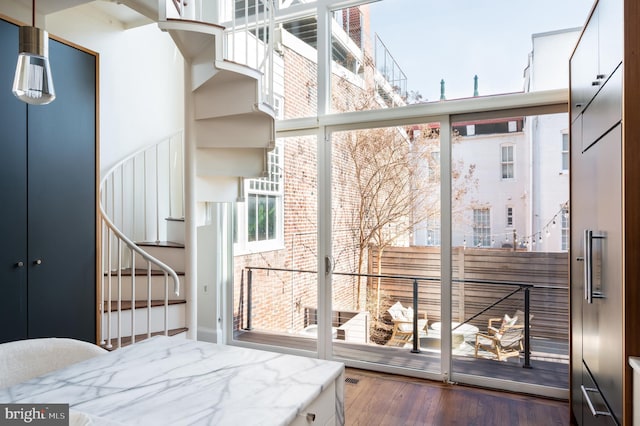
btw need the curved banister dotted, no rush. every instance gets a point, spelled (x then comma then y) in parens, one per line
(134, 247)
(123, 195)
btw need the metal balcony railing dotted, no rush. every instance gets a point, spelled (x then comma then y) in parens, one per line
(514, 288)
(389, 68)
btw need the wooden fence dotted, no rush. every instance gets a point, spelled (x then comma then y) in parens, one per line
(547, 272)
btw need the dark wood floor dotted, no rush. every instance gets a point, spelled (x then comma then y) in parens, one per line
(545, 371)
(384, 399)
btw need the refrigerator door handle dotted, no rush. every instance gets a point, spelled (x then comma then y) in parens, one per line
(588, 240)
(589, 294)
(594, 412)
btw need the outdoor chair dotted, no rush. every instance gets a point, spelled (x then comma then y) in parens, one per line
(402, 318)
(499, 325)
(504, 336)
(502, 345)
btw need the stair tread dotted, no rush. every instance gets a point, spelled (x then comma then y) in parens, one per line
(126, 272)
(171, 244)
(126, 340)
(126, 304)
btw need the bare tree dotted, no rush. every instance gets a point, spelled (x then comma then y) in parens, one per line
(389, 181)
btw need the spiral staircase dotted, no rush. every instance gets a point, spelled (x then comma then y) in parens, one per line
(229, 129)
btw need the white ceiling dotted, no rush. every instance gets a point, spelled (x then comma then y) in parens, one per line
(131, 13)
(45, 7)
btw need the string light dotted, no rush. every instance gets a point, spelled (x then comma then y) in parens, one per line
(551, 224)
(525, 241)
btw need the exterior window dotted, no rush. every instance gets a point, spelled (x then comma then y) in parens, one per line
(509, 217)
(471, 129)
(262, 217)
(433, 167)
(263, 200)
(481, 228)
(506, 160)
(565, 152)
(259, 219)
(433, 232)
(565, 228)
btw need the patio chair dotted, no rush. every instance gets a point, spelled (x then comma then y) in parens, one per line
(402, 318)
(503, 345)
(499, 325)
(504, 336)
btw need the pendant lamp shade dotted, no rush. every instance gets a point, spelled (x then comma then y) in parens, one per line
(33, 83)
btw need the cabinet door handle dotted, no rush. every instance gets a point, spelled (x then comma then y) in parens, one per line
(37, 262)
(20, 264)
(595, 83)
(600, 76)
(594, 412)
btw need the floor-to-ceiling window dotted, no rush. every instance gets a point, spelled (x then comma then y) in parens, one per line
(354, 84)
(385, 199)
(510, 279)
(275, 247)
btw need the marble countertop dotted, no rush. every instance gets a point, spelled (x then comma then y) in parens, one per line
(173, 381)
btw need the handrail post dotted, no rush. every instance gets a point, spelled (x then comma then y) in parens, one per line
(249, 301)
(416, 348)
(527, 345)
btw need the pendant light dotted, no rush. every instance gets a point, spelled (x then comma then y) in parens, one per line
(32, 82)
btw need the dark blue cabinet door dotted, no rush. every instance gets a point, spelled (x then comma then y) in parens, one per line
(13, 193)
(61, 168)
(48, 208)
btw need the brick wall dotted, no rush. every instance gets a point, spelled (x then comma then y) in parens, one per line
(280, 297)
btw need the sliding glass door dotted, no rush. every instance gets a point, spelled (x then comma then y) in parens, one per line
(385, 246)
(510, 251)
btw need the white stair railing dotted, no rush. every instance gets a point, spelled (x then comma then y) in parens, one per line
(136, 195)
(248, 27)
(250, 38)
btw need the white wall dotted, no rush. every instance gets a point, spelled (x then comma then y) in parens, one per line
(491, 191)
(550, 182)
(549, 69)
(141, 77)
(550, 59)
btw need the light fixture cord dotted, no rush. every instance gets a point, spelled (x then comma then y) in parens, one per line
(33, 13)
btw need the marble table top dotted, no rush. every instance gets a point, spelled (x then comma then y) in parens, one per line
(175, 381)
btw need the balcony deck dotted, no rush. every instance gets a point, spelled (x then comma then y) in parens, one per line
(549, 359)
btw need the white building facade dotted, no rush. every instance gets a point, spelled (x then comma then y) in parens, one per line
(516, 194)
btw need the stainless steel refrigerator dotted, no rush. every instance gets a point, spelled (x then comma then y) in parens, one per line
(597, 263)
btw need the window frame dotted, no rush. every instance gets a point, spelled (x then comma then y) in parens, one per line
(509, 217)
(565, 228)
(564, 166)
(507, 162)
(260, 187)
(482, 227)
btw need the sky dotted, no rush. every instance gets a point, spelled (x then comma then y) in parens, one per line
(457, 39)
